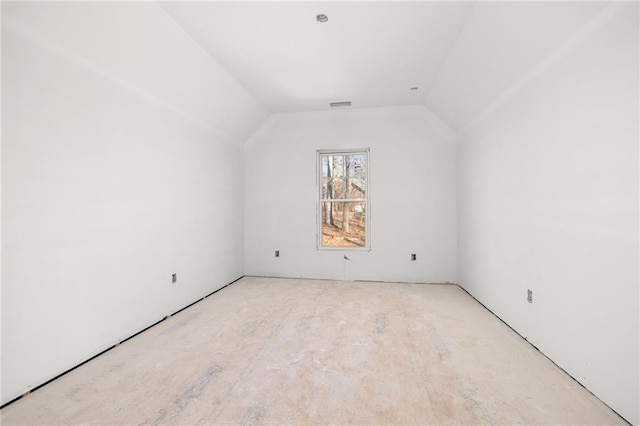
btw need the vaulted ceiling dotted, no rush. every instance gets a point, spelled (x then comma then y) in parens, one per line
(461, 56)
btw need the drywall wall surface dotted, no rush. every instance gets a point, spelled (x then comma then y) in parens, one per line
(0, 203)
(548, 201)
(139, 45)
(107, 189)
(412, 187)
(500, 41)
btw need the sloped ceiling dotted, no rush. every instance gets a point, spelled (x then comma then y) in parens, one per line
(500, 42)
(138, 47)
(460, 55)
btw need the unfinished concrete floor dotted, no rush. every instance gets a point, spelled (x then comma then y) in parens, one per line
(265, 351)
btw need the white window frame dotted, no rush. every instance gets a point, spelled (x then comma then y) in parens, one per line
(319, 200)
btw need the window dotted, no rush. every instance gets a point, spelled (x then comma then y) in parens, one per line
(343, 199)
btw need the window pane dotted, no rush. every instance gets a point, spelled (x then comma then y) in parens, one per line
(344, 224)
(333, 188)
(343, 176)
(357, 175)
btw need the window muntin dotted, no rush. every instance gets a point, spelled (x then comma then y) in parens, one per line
(343, 199)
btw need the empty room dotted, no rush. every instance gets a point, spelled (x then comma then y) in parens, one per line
(320, 212)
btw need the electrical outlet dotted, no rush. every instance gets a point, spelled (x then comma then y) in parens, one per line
(277, 253)
(174, 278)
(413, 256)
(530, 296)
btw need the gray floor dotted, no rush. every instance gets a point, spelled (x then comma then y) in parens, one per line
(265, 351)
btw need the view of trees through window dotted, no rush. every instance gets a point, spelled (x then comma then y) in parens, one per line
(343, 199)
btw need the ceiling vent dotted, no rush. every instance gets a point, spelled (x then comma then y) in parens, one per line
(340, 104)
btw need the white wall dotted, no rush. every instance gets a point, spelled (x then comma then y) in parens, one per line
(122, 164)
(412, 209)
(548, 201)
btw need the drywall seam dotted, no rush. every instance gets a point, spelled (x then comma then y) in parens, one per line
(22, 30)
(204, 49)
(264, 126)
(448, 58)
(438, 125)
(579, 37)
(441, 127)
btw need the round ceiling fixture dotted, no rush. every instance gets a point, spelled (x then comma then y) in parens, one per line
(322, 18)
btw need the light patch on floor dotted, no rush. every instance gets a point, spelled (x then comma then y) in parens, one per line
(288, 351)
